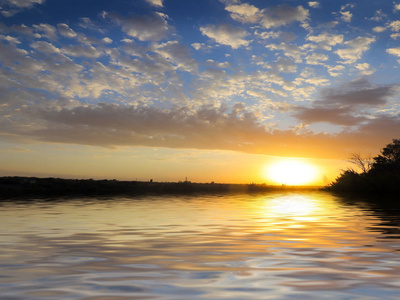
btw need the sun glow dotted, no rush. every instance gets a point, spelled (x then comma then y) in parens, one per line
(291, 172)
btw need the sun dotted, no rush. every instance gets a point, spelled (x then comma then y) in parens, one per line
(291, 172)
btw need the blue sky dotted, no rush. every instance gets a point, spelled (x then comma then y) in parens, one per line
(285, 78)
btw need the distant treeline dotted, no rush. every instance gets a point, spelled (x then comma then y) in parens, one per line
(380, 174)
(53, 187)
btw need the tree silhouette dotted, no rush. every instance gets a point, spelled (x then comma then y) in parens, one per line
(363, 163)
(382, 173)
(389, 159)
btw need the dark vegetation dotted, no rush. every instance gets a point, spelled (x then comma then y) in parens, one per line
(31, 187)
(378, 174)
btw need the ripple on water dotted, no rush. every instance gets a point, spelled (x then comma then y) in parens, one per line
(274, 246)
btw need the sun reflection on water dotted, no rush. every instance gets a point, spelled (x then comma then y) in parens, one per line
(291, 206)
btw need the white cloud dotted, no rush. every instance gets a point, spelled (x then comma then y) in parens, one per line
(245, 13)
(12, 7)
(327, 40)
(379, 29)
(9, 39)
(23, 3)
(335, 71)
(307, 72)
(395, 36)
(396, 6)
(45, 47)
(365, 69)
(272, 16)
(226, 35)
(66, 31)
(348, 5)
(290, 50)
(256, 94)
(378, 16)
(155, 2)
(329, 25)
(46, 30)
(107, 40)
(346, 16)
(394, 51)
(200, 46)
(395, 25)
(285, 65)
(313, 4)
(317, 81)
(266, 34)
(197, 46)
(303, 93)
(81, 51)
(177, 54)
(216, 64)
(316, 59)
(355, 49)
(153, 27)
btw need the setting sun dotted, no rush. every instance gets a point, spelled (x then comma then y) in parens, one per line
(291, 172)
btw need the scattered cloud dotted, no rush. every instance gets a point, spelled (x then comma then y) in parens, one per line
(395, 36)
(273, 16)
(245, 13)
(355, 49)
(335, 71)
(378, 16)
(326, 40)
(313, 4)
(289, 50)
(394, 51)
(346, 16)
(379, 29)
(9, 39)
(316, 58)
(394, 25)
(158, 3)
(226, 34)
(151, 27)
(64, 30)
(22, 3)
(9, 8)
(365, 69)
(46, 30)
(177, 54)
(201, 46)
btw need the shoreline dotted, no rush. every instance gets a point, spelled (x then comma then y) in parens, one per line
(25, 187)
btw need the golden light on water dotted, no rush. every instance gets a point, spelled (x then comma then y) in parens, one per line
(291, 172)
(292, 206)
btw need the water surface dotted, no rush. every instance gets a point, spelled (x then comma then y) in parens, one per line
(263, 246)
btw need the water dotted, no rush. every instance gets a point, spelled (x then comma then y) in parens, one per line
(309, 245)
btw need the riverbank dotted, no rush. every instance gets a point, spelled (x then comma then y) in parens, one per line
(48, 187)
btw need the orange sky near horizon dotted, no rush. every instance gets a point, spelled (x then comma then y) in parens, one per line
(159, 164)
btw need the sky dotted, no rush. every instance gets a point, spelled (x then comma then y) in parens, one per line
(211, 90)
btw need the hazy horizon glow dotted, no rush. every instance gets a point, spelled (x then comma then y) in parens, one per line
(291, 172)
(212, 90)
